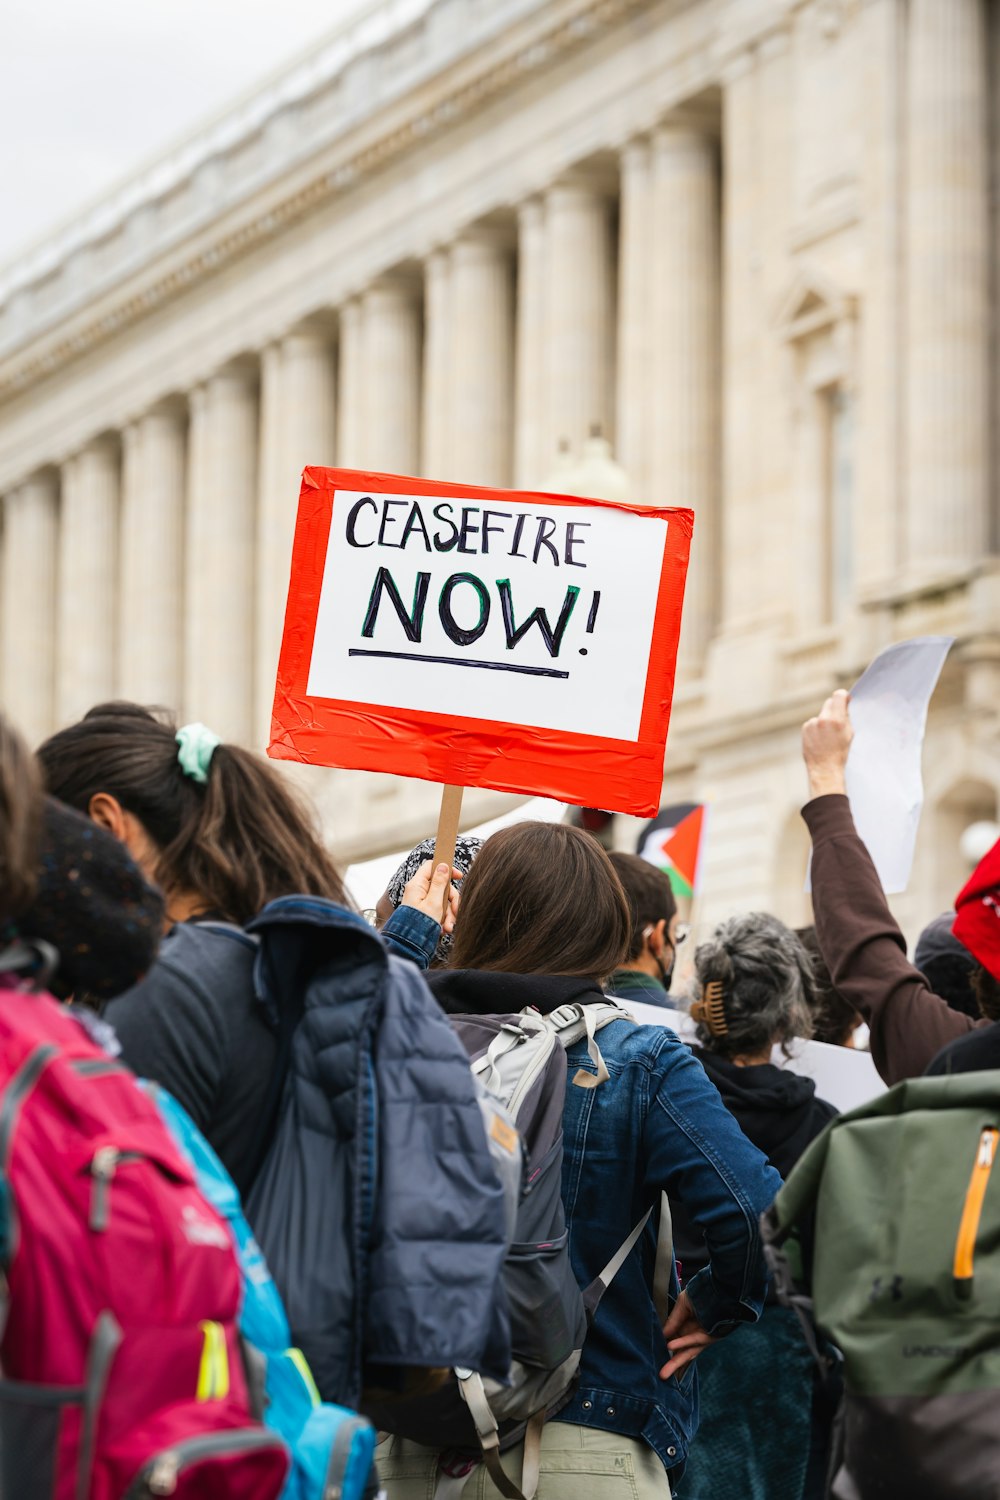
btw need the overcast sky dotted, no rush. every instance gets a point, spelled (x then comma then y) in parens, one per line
(89, 89)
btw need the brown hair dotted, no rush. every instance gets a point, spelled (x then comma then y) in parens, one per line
(542, 898)
(20, 822)
(986, 989)
(649, 895)
(834, 1018)
(237, 841)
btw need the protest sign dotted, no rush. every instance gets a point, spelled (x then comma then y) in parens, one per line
(478, 637)
(888, 708)
(885, 788)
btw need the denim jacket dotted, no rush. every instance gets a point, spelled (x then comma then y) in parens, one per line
(412, 934)
(657, 1123)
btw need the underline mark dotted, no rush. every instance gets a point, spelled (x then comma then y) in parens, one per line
(462, 661)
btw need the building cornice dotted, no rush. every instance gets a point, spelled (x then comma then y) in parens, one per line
(534, 38)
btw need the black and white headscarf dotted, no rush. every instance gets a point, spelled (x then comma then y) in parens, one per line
(466, 849)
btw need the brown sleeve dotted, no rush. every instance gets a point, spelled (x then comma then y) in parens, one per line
(865, 951)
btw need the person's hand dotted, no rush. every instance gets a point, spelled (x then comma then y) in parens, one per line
(685, 1337)
(426, 892)
(826, 741)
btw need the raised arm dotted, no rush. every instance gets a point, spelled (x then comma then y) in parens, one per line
(858, 936)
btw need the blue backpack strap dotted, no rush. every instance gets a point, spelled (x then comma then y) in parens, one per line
(330, 1446)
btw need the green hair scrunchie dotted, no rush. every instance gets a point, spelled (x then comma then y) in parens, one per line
(197, 745)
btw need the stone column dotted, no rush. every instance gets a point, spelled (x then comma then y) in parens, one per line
(219, 558)
(636, 278)
(579, 313)
(532, 461)
(297, 427)
(28, 604)
(685, 320)
(152, 540)
(881, 476)
(87, 591)
(392, 376)
(271, 482)
(351, 382)
(742, 510)
(948, 285)
(437, 408)
(482, 371)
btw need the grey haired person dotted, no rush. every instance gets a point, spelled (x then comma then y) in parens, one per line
(753, 984)
(754, 979)
(467, 846)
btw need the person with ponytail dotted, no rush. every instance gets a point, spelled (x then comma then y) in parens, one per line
(221, 834)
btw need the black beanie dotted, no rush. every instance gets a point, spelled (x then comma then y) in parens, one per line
(93, 906)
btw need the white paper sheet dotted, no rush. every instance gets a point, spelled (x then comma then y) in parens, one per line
(884, 785)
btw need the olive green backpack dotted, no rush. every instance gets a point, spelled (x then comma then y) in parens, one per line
(886, 1237)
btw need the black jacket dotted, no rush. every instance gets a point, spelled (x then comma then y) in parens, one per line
(972, 1053)
(194, 1026)
(482, 992)
(777, 1110)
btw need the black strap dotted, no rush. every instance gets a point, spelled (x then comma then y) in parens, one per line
(801, 1306)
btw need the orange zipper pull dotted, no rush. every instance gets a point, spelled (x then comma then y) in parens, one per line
(965, 1246)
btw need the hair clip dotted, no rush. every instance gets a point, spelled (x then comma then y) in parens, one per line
(709, 1010)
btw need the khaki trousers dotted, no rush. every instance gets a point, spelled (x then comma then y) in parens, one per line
(578, 1463)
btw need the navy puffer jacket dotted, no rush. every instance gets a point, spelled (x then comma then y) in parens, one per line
(378, 1207)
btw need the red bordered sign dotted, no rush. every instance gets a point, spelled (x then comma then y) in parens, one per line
(478, 637)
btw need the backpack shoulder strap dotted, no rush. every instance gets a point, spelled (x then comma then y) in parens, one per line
(569, 1020)
(571, 1023)
(31, 957)
(661, 1272)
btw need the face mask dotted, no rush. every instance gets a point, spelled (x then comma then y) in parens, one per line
(666, 972)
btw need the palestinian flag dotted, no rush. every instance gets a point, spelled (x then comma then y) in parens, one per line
(672, 842)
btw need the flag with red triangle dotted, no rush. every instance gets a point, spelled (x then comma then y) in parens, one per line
(673, 842)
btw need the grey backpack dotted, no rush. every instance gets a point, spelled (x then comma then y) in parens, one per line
(520, 1062)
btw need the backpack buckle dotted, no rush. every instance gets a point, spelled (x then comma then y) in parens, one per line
(565, 1015)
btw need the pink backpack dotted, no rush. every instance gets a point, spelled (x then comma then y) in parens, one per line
(123, 1373)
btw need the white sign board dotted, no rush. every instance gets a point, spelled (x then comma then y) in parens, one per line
(889, 705)
(490, 588)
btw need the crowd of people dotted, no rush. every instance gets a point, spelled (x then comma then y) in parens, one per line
(169, 910)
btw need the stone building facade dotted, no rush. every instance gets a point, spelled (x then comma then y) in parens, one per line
(755, 241)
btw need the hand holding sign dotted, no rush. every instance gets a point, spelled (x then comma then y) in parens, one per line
(826, 744)
(482, 637)
(431, 891)
(871, 750)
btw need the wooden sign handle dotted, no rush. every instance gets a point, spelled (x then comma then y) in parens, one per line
(447, 830)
